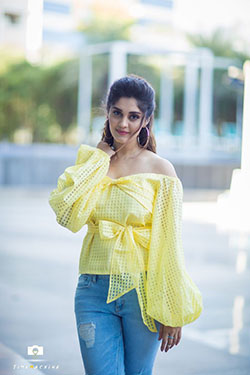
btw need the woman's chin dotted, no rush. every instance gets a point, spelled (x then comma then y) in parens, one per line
(120, 140)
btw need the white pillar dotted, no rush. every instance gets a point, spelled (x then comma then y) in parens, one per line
(166, 99)
(34, 30)
(206, 101)
(245, 149)
(190, 101)
(84, 98)
(118, 61)
(239, 113)
(2, 26)
(235, 205)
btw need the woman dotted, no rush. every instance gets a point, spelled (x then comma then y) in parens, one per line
(133, 288)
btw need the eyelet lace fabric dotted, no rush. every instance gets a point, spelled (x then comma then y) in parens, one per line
(134, 235)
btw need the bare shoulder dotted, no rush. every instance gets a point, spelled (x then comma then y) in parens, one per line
(162, 166)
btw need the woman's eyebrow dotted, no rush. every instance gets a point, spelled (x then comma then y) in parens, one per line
(129, 112)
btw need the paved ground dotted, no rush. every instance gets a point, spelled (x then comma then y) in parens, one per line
(38, 275)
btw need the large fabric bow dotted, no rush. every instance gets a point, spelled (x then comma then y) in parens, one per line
(127, 263)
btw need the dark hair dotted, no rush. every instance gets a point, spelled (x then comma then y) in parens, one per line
(136, 87)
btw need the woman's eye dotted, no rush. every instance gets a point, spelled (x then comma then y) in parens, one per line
(132, 117)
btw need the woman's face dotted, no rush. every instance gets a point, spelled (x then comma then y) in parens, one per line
(124, 119)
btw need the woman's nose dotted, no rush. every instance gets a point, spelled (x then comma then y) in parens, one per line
(124, 122)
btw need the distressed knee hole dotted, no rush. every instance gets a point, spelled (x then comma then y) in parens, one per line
(87, 333)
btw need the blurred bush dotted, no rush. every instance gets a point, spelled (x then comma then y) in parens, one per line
(38, 103)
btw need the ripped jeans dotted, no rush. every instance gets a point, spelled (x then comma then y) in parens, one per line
(113, 338)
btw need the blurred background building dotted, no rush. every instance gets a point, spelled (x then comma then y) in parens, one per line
(59, 58)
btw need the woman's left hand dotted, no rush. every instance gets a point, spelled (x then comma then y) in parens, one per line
(167, 342)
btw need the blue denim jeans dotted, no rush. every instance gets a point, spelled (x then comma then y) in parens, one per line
(113, 338)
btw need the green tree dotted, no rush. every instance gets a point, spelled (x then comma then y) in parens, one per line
(40, 100)
(221, 42)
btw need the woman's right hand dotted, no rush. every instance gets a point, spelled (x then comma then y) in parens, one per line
(106, 148)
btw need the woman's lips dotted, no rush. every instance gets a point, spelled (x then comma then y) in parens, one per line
(121, 132)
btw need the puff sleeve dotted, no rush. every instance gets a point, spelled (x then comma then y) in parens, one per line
(173, 298)
(75, 196)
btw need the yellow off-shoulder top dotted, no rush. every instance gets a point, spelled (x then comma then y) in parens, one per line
(134, 235)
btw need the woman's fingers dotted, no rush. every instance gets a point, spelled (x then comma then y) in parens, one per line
(169, 342)
(178, 336)
(164, 345)
(173, 341)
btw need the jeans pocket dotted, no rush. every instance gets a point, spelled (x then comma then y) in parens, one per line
(84, 281)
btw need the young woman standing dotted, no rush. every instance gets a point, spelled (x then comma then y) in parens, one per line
(133, 288)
